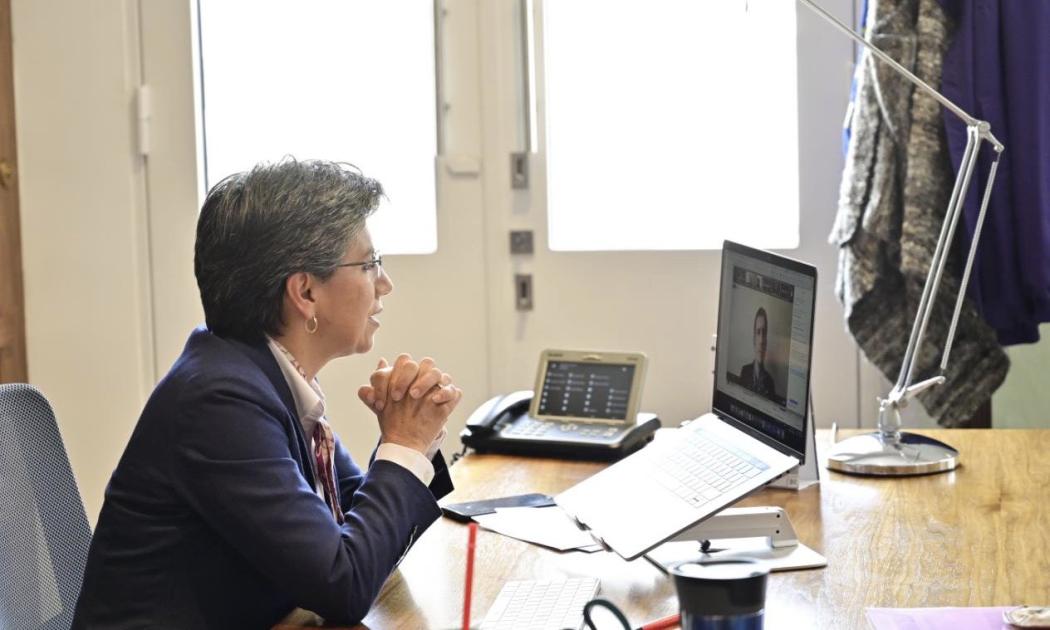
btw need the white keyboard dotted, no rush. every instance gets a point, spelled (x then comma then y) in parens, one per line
(541, 604)
(702, 467)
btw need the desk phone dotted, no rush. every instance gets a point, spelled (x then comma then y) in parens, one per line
(584, 406)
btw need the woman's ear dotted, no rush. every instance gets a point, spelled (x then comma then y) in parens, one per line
(298, 293)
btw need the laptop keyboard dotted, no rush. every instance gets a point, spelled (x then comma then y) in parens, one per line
(702, 467)
(540, 604)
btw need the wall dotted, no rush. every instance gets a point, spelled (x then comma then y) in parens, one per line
(75, 73)
(1023, 401)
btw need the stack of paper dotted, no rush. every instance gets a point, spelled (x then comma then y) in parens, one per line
(547, 526)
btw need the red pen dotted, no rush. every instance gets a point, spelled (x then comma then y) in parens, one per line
(662, 624)
(472, 535)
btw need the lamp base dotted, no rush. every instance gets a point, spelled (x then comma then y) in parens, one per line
(905, 455)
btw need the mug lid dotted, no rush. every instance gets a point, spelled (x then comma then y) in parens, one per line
(721, 587)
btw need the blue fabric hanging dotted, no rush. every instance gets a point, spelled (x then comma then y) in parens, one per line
(847, 128)
(998, 69)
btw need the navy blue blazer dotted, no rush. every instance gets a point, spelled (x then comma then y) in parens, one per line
(211, 521)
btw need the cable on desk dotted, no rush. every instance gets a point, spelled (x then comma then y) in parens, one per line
(658, 624)
(606, 604)
(457, 456)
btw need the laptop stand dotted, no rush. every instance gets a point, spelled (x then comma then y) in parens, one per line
(761, 533)
(804, 476)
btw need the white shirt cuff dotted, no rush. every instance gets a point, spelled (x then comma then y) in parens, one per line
(409, 458)
(435, 446)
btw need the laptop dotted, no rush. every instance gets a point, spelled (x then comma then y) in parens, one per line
(755, 431)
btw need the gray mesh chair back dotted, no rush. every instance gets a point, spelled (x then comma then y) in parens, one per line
(44, 534)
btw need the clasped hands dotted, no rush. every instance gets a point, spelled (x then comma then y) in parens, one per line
(411, 400)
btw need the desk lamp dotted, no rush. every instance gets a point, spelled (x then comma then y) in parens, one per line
(889, 451)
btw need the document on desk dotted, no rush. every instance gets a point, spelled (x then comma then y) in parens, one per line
(546, 526)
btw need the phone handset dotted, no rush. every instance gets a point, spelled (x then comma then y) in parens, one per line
(483, 421)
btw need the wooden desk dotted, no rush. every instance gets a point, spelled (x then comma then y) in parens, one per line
(978, 536)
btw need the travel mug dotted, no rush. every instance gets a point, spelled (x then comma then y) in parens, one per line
(721, 594)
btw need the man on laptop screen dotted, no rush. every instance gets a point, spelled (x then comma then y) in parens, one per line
(754, 375)
(754, 433)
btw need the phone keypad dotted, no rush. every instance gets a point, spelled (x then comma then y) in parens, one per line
(530, 428)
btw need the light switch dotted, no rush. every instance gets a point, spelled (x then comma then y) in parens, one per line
(523, 291)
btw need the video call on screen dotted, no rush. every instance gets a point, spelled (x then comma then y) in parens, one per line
(766, 318)
(586, 390)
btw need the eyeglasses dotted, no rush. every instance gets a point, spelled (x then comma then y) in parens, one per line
(373, 267)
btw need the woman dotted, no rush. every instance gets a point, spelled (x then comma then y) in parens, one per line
(234, 503)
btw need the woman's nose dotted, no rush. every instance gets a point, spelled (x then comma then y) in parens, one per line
(384, 284)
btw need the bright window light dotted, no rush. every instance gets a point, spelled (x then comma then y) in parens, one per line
(346, 81)
(670, 124)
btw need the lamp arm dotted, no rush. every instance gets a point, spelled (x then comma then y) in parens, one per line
(984, 127)
(969, 259)
(938, 261)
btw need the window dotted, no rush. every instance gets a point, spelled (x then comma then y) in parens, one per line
(345, 81)
(670, 124)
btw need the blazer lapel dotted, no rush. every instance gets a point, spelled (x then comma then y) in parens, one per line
(259, 353)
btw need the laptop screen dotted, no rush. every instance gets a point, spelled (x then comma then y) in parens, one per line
(763, 353)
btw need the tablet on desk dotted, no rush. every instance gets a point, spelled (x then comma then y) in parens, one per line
(584, 406)
(588, 387)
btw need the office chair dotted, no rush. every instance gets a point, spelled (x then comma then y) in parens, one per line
(44, 533)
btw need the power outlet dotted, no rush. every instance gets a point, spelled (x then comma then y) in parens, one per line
(521, 242)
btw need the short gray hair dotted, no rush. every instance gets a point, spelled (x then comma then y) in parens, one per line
(259, 227)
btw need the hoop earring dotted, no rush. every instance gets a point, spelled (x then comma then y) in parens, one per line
(311, 330)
